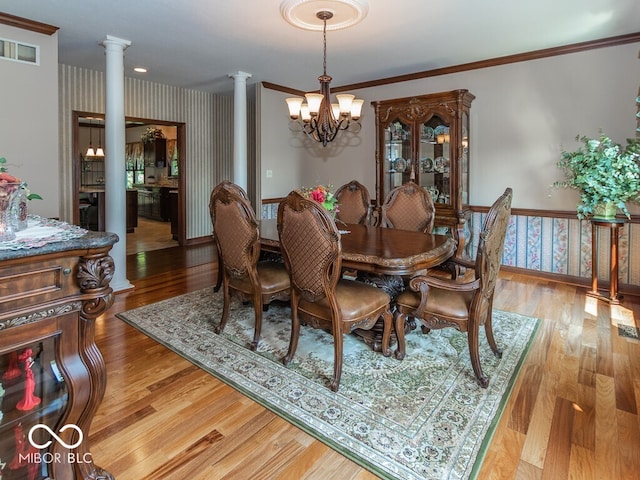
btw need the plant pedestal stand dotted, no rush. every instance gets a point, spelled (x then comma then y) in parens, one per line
(614, 226)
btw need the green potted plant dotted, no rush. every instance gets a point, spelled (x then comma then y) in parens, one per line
(151, 134)
(606, 174)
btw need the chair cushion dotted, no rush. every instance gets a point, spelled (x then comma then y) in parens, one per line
(273, 278)
(355, 299)
(446, 303)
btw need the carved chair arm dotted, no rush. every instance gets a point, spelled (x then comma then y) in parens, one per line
(422, 283)
(463, 262)
(417, 283)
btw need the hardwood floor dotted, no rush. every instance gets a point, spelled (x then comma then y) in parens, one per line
(572, 414)
(150, 235)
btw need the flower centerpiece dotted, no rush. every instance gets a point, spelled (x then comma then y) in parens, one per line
(324, 196)
(606, 174)
(151, 134)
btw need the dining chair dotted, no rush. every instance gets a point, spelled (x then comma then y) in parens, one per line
(439, 302)
(238, 239)
(354, 203)
(240, 191)
(408, 207)
(312, 252)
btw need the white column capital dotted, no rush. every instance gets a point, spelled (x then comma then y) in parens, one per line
(111, 40)
(239, 75)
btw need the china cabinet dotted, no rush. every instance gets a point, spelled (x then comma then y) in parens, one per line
(425, 139)
(52, 375)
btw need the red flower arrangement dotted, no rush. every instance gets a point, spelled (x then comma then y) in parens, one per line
(324, 196)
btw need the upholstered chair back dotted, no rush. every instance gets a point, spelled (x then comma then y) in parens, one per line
(353, 203)
(236, 231)
(301, 222)
(409, 207)
(490, 248)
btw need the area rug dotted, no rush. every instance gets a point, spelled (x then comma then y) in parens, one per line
(421, 418)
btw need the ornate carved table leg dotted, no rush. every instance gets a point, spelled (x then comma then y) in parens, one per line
(393, 285)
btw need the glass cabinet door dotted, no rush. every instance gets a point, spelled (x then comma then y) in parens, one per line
(434, 159)
(426, 139)
(397, 149)
(464, 147)
(32, 393)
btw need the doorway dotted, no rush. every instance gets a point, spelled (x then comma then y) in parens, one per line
(154, 175)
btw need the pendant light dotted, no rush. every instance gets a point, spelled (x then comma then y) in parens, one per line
(100, 150)
(90, 151)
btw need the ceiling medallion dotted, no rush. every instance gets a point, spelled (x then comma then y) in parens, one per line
(304, 13)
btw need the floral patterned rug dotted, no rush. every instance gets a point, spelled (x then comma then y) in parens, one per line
(421, 418)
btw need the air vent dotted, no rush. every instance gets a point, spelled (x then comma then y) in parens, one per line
(19, 52)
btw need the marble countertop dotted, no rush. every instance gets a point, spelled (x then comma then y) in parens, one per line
(45, 235)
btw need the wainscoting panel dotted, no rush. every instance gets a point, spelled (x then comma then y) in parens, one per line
(563, 246)
(551, 245)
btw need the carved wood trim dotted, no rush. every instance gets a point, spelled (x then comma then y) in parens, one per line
(27, 24)
(30, 317)
(95, 271)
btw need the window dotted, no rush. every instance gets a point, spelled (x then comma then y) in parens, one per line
(19, 52)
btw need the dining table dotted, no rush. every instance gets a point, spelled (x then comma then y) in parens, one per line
(378, 250)
(381, 256)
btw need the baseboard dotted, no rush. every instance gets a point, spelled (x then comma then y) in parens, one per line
(623, 288)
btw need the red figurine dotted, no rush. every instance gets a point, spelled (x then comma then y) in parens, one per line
(18, 434)
(24, 454)
(12, 370)
(29, 400)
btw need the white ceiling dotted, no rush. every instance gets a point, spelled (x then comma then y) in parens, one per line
(195, 44)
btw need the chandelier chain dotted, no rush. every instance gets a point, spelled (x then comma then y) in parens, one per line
(324, 55)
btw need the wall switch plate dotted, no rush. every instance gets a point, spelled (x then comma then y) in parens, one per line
(269, 173)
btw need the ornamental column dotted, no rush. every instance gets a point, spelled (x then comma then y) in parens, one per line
(240, 128)
(114, 164)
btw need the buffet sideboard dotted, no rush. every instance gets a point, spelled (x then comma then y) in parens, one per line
(51, 372)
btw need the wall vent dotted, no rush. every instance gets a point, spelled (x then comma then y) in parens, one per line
(19, 52)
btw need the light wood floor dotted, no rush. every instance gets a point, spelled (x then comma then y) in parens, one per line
(150, 235)
(573, 412)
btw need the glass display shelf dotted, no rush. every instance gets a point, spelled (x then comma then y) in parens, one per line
(33, 394)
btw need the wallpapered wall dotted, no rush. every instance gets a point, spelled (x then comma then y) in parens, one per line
(209, 134)
(563, 246)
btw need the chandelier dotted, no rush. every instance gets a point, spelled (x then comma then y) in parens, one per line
(319, 119)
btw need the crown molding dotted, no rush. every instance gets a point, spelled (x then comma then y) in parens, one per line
(492, 62)
(27, 24)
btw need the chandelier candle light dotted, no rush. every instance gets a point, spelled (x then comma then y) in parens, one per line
(319, 119)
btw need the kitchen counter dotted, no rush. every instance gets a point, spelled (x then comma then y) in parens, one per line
(92, 208)
(155, 185)
(153, 201)
(99, 189)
